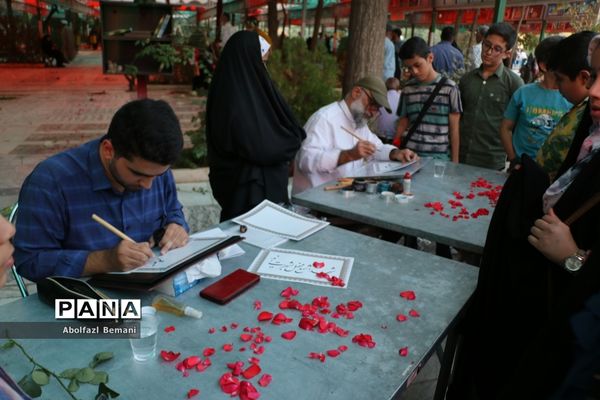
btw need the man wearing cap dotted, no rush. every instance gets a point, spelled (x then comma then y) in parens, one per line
(331, 149)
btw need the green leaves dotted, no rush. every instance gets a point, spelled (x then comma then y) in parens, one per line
(30, 387)
(40, 376)
(100, 358)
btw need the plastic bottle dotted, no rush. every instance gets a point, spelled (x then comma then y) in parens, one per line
(168, 304)
(406, 184)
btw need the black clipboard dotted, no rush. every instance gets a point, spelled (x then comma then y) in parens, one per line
(148, 281)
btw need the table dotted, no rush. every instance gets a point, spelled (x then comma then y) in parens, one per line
(413, 218)
(381, 271)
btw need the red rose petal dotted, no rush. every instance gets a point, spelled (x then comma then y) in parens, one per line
(265, 380)
(343, 348)
(333, 353)
(223, 328)
(245, 337)
(192, 393)
(408, 295)
(401, 317)
(317, 356)
(229, 384)
(233, 325)
(414, 313)
(364, 340)
(257, 304)
(288, 335)
(354, 305)
(248, 391)
(211, 330)
(169, 355)
(254, 360)
(265, 316)
(201, 367)
(289, 292)
(227, 347)
(209, 351)
(191, 362)
(403, 351)
(251, 371)
(280, 318)
(169, 329)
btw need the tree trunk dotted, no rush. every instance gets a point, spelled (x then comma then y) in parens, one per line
(317, 26)
(365, 43)
(285, 22)
(11, 29)
(273, 23)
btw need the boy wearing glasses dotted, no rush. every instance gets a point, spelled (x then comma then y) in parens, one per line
(437, 130)
(485, 93)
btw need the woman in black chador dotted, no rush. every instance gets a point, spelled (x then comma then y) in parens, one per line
(251, 132)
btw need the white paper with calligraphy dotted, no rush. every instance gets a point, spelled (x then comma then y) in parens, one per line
(270, 217)
(299, 266)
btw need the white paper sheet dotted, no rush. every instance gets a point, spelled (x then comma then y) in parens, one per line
(277, 220)
(162, 263)
(298, 266)
(378, 168)
(228, 252)
(258, 238)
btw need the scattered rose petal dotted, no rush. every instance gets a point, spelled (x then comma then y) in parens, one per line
(192, 393)
(245, 337)
(254, 360)
(201, 367)
(403, 352)
(251, 371)
(233, 325)
(169, 355)
(364, 340)
(265, 316)
(259, 350)
(354, 305)
(401, 317)
(317, 356)
(169, 329)
(211, 330)
(191, 362)
(408, 295)
(265, 380)
(223, 328)
(209, 351)
(248, 391)
(229, 384)
(414, 313)
(318, 264)
(227, 347)
(288, 335)
(257, 304)
(236, 368)
(342, 348)
(289, 292)
(280, 318)
(333, 353)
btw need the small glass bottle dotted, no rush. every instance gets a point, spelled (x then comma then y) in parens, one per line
(168, 304)
(406, 184)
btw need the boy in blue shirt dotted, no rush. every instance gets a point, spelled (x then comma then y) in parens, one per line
(534, 109)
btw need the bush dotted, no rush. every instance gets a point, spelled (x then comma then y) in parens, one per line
(307, 80)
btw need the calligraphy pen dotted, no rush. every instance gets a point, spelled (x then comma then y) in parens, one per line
(111, 228)
(356, 137)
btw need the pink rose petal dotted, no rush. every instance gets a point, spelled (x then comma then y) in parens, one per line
(414, 313)
(265, 380)
(288, 335)
(403, 351)
(169, 329)
(192, 393)
(408, 295)
(169, 355)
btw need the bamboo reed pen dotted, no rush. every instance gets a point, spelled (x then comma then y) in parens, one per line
(352, 133)
(111, 228)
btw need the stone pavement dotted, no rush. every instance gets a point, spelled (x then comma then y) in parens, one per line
(46, 110)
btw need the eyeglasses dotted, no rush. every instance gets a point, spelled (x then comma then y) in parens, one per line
(372, 102)
(486, 45)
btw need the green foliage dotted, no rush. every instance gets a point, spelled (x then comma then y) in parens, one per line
(529, 41)
(40, 376)
(197, 155)
(166, 55)
(307, 80)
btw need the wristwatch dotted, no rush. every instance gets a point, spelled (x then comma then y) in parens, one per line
(574, 262)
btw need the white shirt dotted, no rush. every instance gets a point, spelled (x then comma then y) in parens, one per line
(316, 162)
(227, 30)
(475, 56)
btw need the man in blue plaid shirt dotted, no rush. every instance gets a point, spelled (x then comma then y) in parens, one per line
(123, 177)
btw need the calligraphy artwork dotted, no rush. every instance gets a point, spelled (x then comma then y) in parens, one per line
(301, 266)
(270, 217)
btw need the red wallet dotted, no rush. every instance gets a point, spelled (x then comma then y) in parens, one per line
(229, 287)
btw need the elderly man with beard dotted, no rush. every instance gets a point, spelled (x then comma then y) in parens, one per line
(331, 149)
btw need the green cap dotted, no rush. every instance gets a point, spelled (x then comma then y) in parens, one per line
(377, 88)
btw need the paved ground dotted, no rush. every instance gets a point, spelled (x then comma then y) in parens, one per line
(46, 110)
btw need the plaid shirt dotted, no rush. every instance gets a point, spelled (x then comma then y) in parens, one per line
(55, 231)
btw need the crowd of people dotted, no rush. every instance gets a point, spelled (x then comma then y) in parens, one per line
(532, 327)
